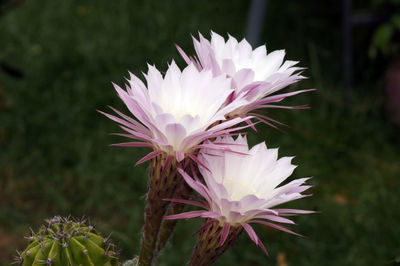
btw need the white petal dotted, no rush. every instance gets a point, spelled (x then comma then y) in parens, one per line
(175, 133)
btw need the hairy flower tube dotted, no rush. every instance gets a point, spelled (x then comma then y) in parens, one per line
(173, 115)
(255, 74)
(240, 190)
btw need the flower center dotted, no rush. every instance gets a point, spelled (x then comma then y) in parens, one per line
(237, 190)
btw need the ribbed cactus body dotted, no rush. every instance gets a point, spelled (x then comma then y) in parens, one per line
(67, 242)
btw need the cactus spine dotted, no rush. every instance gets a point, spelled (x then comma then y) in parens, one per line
(67, 242)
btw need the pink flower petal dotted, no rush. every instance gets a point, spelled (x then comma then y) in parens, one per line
(185, 215)
(132, 144)
(204, 227)
(275, 219)
(166, 164)
(198, 162)
(250, 231)
(268, 118)
(149, 156)
(118, 120)
(197, 186)
(137, 135)
(180, 156)
(279, 227)
(190, 202)
(183, 54)
(175, 133)
(293, 211)
(253, 236)
(208, 214)
(280, 97)
(224, 234)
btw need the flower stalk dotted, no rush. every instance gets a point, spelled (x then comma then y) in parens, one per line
(183, 191)
(213, 241)
(164, 180)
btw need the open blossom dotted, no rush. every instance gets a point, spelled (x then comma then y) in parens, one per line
(255, 74)
(243, 189)
(174, 113)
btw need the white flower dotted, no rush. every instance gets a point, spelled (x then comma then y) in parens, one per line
(241, 189)
(174, 113)
(255, 74)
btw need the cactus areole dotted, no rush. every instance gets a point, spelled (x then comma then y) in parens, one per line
(67, 242)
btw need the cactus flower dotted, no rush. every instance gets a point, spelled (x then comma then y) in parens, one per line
(174, 113)
(255, 74)
(240, 190)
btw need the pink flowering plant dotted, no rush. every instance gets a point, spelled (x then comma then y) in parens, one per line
(192, 120)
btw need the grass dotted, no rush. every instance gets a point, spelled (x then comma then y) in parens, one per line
(55, 159)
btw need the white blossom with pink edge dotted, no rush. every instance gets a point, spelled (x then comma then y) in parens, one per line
(174, 113)
(240, 189)
(255, 74)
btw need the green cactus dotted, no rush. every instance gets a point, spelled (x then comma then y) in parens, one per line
(67, 242)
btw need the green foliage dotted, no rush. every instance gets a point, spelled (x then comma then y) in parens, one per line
(382, 40)
(379, 3)
(67, 242)
(385, 39)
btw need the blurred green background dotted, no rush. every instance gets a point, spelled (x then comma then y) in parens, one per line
(59, 58)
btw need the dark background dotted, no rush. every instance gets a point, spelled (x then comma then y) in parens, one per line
(58, 59)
